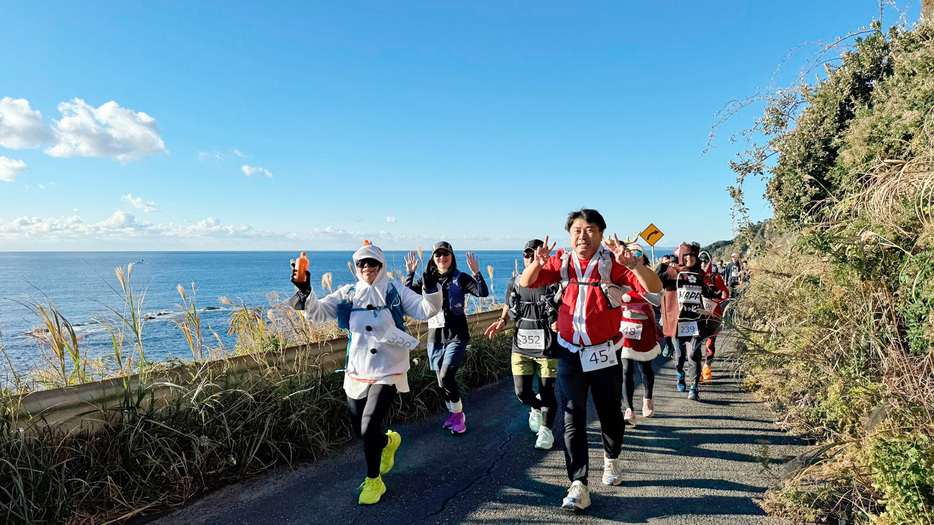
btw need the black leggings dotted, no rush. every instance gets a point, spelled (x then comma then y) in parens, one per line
(367, 416)
(447, 380)
(648, 379)
(548, 404)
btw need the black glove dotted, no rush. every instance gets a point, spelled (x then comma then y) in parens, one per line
(302, 291)
(429, 279)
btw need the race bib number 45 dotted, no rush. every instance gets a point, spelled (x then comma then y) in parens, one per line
(530, 338)
(598, 358)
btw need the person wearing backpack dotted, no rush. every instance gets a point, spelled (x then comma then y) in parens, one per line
(371, 310)
(448, 333)
(534, 346)
(592, 279)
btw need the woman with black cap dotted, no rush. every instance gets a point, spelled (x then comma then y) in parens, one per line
(448, 332)
(371, 310)
(534, 349)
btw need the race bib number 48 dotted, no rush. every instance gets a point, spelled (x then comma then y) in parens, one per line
(631, 330)
(530, 338)
(597, 359)
(687, 328)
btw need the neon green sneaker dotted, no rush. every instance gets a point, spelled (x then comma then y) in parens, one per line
(373, 488)
(389, 451)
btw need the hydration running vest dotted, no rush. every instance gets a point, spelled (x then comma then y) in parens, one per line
(393, 304)
(611, 291)
(455, 294)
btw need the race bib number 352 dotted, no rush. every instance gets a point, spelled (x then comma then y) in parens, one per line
(530, 339)
(597, 359)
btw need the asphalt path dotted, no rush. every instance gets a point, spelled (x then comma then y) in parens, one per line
(696, 463)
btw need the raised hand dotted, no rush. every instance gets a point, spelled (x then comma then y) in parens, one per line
(492, 330)
(473, 263)
(620, 252)
(542, 253)
(411, 262)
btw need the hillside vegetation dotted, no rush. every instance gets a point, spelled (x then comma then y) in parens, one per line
(838, 316)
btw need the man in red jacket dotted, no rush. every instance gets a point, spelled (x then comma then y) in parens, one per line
(593, 278)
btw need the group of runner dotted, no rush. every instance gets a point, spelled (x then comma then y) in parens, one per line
(582, 318)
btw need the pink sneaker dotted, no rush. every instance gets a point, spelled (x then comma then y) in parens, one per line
(450, 422)
(458, 424)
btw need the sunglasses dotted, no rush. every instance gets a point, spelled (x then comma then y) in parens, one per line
(372, 263)
(440, 254)
(637, 254)
(528, 255)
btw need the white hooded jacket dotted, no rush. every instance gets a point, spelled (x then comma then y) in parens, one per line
(369, 360)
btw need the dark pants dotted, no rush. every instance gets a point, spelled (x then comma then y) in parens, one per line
(648, 379)
(447, 380)
(605, 386)
(548, 404)
(696, 345)
(367, 416)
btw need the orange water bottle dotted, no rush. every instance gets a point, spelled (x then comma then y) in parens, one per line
(301, 266)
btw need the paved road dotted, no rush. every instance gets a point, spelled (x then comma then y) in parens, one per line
(697, 463)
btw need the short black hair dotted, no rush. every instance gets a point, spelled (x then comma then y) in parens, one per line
(591, 216)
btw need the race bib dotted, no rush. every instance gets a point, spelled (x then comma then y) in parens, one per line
(631, 330)
(598, 358)
(436, 321)
(710, 305)
(734, 274)
(396, 337)
(687, 328)
(689, 294)
(530, 338)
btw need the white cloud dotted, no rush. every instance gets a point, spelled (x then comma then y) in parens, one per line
(107, 131)
(249, 171)
(239, 153)
(21, 127)
(10, 168)
(210, 155)
(390, 219)
(138, 203)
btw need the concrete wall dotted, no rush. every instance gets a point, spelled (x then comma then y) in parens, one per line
(86, 406)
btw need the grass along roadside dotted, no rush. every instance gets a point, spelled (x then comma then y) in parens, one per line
(215, 426)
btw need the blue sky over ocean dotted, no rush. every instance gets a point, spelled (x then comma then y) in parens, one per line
(312, 125)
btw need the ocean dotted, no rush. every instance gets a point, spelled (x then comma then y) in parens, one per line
(84, 287)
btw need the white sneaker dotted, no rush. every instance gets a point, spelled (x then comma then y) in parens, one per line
(612, 471)
(648, 407)
(545, 439)
(578, 497)
(535, 419)
(630, 417)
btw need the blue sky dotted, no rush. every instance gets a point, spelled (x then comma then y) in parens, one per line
(310, 125)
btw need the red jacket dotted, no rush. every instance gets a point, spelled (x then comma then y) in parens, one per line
(599, 323)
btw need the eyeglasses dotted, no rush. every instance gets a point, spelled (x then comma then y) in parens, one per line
(372, 263)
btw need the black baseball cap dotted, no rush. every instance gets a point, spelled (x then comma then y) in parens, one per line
(533, 244)
(442, 245)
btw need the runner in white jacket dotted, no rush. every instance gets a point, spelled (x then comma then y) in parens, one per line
(377, 353)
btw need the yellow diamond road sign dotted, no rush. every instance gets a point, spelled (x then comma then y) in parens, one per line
(652, 234)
